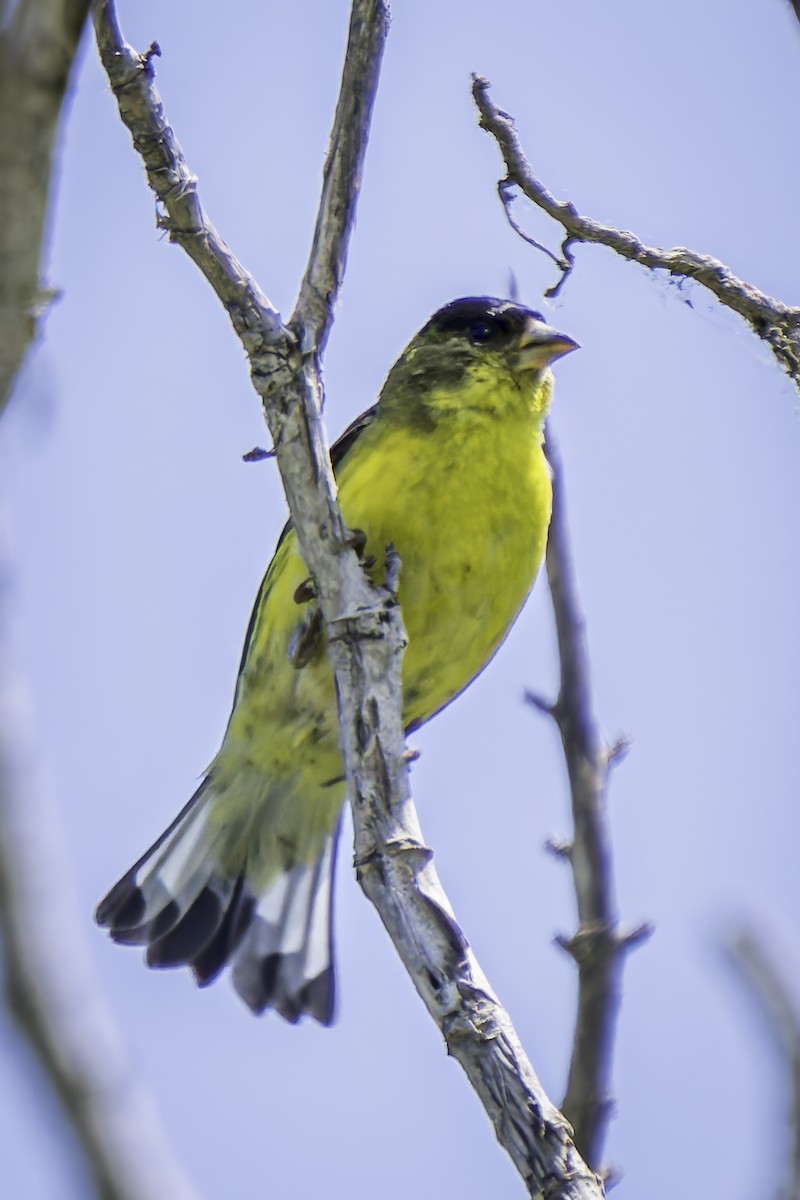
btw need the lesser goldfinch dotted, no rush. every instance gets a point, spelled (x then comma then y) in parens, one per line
(449, 468)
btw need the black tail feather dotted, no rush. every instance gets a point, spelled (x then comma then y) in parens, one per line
(217, 952)
(194, 930)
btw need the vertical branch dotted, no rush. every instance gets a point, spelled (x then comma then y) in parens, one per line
(598, 946)
(341, 181)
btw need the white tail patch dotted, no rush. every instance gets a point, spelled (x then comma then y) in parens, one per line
(285, 959)
(179, 903)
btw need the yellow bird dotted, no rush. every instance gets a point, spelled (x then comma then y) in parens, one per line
(449, 468)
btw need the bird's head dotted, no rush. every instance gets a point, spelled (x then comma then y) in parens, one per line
(478, 354)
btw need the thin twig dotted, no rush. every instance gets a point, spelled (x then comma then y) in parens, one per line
(364, 628)
(341, 182)
(776, 323)
(780, 1003)
(598, 946)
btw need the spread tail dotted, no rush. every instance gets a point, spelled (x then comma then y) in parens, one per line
(177, 901)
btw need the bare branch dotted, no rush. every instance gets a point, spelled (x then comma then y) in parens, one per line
(38, 41)
(341, 183)
(776, 323)
(364, 628)
(396, 871)
(780, 1003)
(49, 990)
(598, 946)
(131, 77)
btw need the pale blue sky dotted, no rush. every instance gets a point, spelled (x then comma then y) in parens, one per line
(141, 537)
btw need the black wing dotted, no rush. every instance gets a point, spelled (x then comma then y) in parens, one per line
(340, 449)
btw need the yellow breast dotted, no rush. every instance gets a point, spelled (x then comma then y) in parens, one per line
(466, 504)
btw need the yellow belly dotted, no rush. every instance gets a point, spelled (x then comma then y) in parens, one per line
(470, 539)
(470, 544)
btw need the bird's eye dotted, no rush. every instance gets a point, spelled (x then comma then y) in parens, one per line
(482, 332)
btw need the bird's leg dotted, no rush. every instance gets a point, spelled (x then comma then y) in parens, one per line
(306, 640)
(305, 591)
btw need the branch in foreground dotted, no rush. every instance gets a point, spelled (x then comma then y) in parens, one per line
(598, 947)
(38, 42)
(364, 629)
(49, 990)
(781, 1007)
(775, 323)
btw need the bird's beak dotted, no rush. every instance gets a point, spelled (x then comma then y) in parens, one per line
(540, 344)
